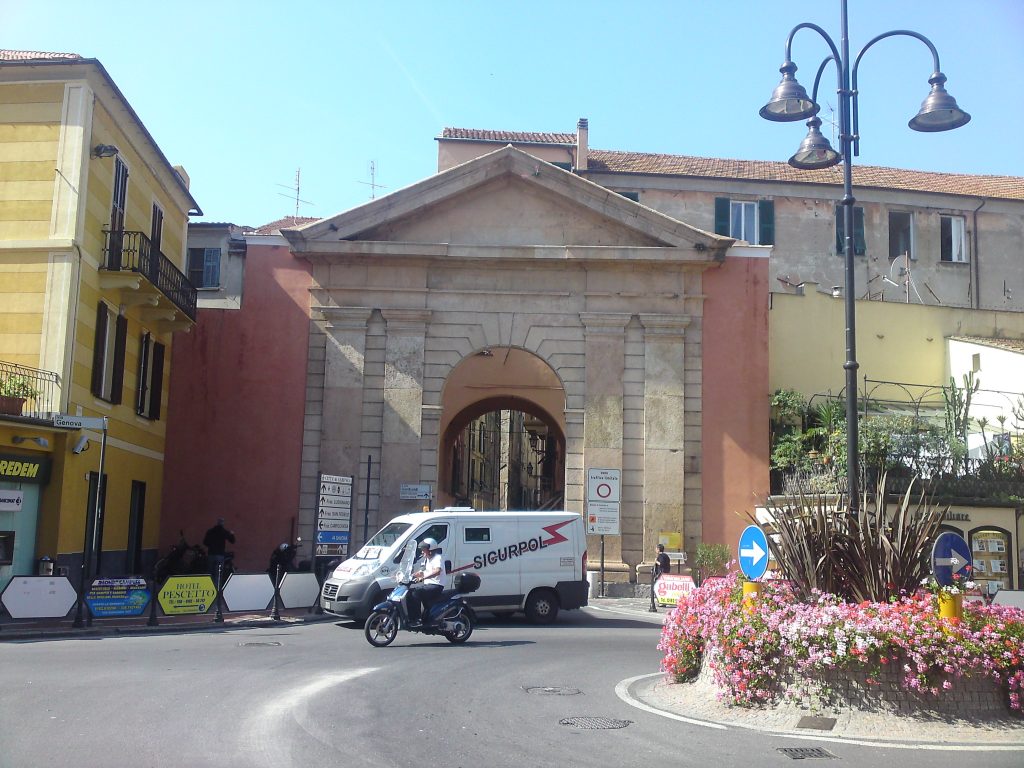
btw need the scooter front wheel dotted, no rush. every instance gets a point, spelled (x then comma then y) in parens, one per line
(381, 629)
(463, 628)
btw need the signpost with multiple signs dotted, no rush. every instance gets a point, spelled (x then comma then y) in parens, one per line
(333, 516)
(603, 506)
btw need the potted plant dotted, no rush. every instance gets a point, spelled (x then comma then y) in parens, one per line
(15, 389)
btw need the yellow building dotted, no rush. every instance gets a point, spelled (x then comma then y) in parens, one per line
(93, 220)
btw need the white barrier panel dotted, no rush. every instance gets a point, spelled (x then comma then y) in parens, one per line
(299, 590)
(1011, 597)
(248, 592)
(39, 597)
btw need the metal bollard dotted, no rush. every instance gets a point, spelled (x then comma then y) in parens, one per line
(219, 618)
(654, 580)
(152, 603)
(276, 614)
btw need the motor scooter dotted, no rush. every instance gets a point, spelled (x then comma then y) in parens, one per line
(451, 616)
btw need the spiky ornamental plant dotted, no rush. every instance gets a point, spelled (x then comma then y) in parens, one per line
(874, 553)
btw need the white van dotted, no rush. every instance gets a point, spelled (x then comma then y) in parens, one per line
(527, 561)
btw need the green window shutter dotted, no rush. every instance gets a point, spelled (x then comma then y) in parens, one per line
(766, 222)
(722, 216)
(859, 243)
(120, 342)
(157, 391)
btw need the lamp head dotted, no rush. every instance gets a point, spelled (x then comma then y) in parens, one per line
(789, 100)
(104, 150)
(939, 111)
(815, 152)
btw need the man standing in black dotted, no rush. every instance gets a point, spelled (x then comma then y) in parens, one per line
(215, 541)
(661, 565)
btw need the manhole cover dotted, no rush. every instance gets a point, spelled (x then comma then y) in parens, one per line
(257, 645)
(801, 753)
(817, 723)
(551, 690)
(594, 723)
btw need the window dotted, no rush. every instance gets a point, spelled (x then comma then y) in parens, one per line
(901, 235)
(859, 244)
(750, 220)
(156, 230)
(563, 166)
(477, 535)
(151, 375)
(117, 209)
(438, 532)
(953, 240)
(204, 267)
(634, 196)
(108, 353)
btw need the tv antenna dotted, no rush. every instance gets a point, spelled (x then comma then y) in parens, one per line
(295, 194)
(372, 183)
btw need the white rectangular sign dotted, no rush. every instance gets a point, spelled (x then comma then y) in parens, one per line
(11, 501)
(603, 517)
(336, 489)
(603, 485)
(340, 479)
(77, 422)
(344, 502)
(414, 491)
(325, 513)
(333, 523)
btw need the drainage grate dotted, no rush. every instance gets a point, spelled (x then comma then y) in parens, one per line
(257, 645)
(801, 753)
(817, 723)
(594, 723)
(550, 690)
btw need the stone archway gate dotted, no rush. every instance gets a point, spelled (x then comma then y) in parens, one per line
(509, 251)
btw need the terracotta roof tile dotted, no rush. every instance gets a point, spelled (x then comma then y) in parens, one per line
(1008, 187)
(283, 223)
(1010, 345)
(7, 55)
(524, 137)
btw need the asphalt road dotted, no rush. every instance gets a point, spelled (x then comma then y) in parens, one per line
(319, 695)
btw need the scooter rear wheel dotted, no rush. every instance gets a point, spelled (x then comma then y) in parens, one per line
(464, 629)
(381, 629)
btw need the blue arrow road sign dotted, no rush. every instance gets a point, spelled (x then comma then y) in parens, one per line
(753, 552)
(332, 537)
(951, 556)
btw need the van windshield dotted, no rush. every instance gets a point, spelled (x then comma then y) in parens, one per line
(388, 535)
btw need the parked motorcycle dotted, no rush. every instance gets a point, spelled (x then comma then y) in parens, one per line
(183, 559)
(282, 560)
(451, 616)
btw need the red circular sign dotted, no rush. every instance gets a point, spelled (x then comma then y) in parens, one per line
(604, 490)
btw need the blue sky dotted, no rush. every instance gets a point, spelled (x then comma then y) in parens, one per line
(243, 94)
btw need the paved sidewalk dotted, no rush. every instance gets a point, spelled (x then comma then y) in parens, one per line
(52, 629)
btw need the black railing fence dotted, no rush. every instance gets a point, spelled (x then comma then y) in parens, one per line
(133, 252)
(39, 389)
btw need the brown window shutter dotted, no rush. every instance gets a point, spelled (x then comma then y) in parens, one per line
(120, 341)
(98, 346)
(157, 388)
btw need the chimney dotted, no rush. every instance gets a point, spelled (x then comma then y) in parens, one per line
(582, 131)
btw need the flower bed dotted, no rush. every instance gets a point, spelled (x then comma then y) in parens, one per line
(827, 650)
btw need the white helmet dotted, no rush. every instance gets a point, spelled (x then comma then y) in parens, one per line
(428, 543)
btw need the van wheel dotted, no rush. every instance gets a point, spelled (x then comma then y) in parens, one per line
(542, 606)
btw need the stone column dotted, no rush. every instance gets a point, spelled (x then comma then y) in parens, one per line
(334, 402)
(664, 432)
(402, 429)
(605, 355)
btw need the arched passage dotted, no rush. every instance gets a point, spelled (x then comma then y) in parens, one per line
(502, 431)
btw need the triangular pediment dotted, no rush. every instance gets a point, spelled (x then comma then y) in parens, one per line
(505, 198)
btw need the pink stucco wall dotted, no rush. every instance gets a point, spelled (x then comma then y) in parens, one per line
(736, 396)
(235, 413)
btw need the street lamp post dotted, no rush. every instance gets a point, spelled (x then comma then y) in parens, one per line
(789, 102)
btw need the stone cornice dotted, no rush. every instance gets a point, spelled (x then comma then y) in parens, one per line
(605, 323)
(406, 319)
(665, 326)
(343, 318)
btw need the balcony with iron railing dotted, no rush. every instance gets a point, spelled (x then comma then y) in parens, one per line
(28, 393)
(126, 251)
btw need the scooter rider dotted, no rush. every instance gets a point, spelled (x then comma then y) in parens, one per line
(429, 581)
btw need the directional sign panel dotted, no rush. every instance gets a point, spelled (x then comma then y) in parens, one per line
(39, 597)
(333, 523)
(753, 551)
(332, 537)
(951, 556)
